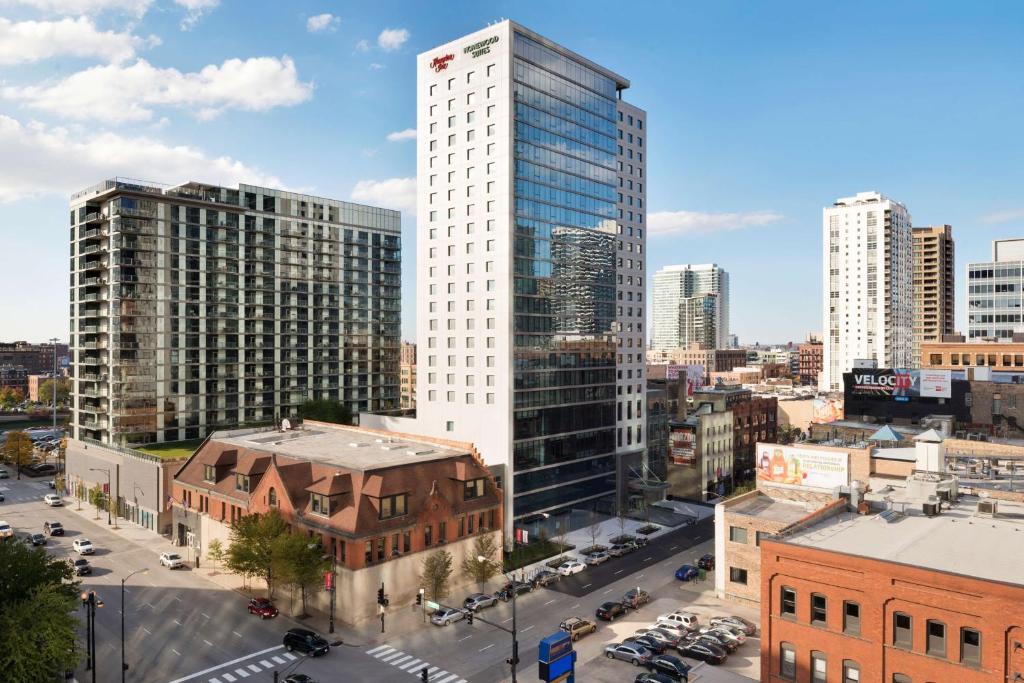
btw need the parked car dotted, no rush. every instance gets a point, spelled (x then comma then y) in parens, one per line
(670, 638)
(635, 597)
(52, 484)
(653, 644)
(727, 633)
(640, 541)
(4, 474)
(600, 557)
(83, 546)
(571, 567)
(577, 627)
(628, 652)
(707, 562)
(652, 677)
(687, 573)
(717, 640)
(2, 498)
(81, 566)
(262, 607)
(446, 615)
(305, 641)
(610, 611)
(669, 665)
(546, 577)
(687, 620)
(36, 539)
(53, 528)
(517, 587)
(620, 549)
(171, 560)
(298, 678)
(702, 651)
(6, 531)
(747, 626)
(674, 629)
(478, 601)
(53, 500)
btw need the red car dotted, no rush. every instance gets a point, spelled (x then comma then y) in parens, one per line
(262, 607)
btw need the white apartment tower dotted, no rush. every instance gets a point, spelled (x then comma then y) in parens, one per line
(530, 267)
(868, 279)
(691, 305)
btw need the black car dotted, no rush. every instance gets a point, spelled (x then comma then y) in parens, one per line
(635, 597)
(81, 567)
(702, 651)
(546, 578)
(715, 639)
(517, 587)
(653, 677)
(653, 644)
(305, 641)
(672, 667)
(299, 678)
(36, 539)
(706, 562)
(54, 528)
(610, 611)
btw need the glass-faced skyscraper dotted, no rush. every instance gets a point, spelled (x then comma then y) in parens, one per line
(530, 267)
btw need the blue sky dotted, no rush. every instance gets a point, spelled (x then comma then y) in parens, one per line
(759, 115)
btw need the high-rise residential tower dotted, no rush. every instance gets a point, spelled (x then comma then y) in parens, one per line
(691, 305)
(868, 285)
(995, 292)
(198, 307)
(530, 266)
(933, 286)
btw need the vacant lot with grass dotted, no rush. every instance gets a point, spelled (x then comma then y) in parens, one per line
(171, 450)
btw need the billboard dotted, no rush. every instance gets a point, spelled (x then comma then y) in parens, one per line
(681, 447)
(802, 466)
(900, 385)
(694, 375)
(825, 410)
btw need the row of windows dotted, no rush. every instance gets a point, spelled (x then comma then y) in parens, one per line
(982, 360)
(819, 666)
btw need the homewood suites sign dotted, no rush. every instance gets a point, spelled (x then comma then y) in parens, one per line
(480, 48)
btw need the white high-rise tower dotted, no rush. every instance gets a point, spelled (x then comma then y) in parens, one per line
(691, 304)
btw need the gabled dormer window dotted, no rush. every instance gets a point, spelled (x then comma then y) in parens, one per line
(242, 483)
(474, 489)
(394, 506)
(320, 504)
(210, 474)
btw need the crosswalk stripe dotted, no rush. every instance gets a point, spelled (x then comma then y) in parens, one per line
(450, 677)
(279, 660)
(419, 668)
(379, 648)
(434, 677)
(414, 662)
(431, 670)
(386, 651)
(391, 656)
(228, 677)
(400, 660)
(214, 680)
(289, 655)
(242, 672)
(265, 664)
(255, 669)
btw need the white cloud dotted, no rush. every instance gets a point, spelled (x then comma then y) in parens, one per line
(194, 11)
(1004, 216)
(662, 223)
(321, 23)
(392, 193)
(402, 135)
(117, 94)
(363, 45)
(391, 39)
(40, 160)
(135, 8)
(376, 66)
(31, 41)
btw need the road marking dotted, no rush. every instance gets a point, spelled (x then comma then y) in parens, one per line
(618, 572)
(548, 602)
(214, 680)
(204, 615)
(177, 622)
(507, 620)
(639, 576)
(391, 656)
(648, 559)
(487, 647)
(225, 664)
(208, 642)
(147, 630)
(255, 669)
(242, 672)
(149, 605)
(290, 656)
(575, 606)
(431, 670)
(466, 638)
(265, 664)
(438, 675)
(450, 677)
(588, 585)
(379, 648)
(237, 634)
(127, 591)
(673, 547)
(527, 628)
(177, 598)
(407, 665)
(175, 652)
(399, 660)
(424, 666)
(228, 677)
(608, 591)
(279, 660)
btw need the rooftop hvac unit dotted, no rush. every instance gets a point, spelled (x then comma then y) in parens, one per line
(930, 509)
(987, 507)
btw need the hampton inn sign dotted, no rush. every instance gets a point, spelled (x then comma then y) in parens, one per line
(439, 64)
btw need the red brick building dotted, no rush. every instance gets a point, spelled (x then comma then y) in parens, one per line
(376, 500)
(811, 361)
(920, 599)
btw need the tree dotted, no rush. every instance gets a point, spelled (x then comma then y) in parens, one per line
(298, 563)
(787, 434)
(215, 551)
(46, 390)
(326, 411)
(18, 449)
(594, 529)
(38, 627)
(10, 397)
(97, 498)
(481, 571)
(437, 569)
(251, 552)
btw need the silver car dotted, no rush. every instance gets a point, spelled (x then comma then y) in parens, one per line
(479, 601)
(597, 558)
(447, 615)
(628, 652)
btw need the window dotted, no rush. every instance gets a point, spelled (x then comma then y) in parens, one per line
(902, 626)
(788, 602)
(242, 483)
(819, 609)
(936, 644)
(819, 667)
(209, 473)
(394, 506)
(737, 575)
(449, 426)
(737, 534)
(901, 678)
(320, 504)
(428, 536)
(474, 489)
(851, 671)
(272, 497)
(851, 618)
(787, 661)
(407, 541)
(970, 646)
(442, 532)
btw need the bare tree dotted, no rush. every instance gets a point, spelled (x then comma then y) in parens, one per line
(594, 529)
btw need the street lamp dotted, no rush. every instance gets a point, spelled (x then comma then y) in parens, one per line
(54, 341)
(514, 659)
(90, 600)
(124, 666)
(107, 471)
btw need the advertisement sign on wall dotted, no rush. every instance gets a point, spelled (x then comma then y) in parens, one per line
(681, 447)
(901, 385)
(802, 466)
(936, 383)
(825, 410)
(694, 375)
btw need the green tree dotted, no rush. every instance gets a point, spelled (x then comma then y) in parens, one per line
(481, 571)
(38, 627)
(18, 449)
(251, 552)
(437, 570)
(326, 411)
(10, 397)
(97, 498)
(63, 390)
(298, 563)
(215, 551)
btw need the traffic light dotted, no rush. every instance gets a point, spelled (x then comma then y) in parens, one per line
(424, 676)
(380, 596)
(469, 617)
(514, 659)
(419, 597)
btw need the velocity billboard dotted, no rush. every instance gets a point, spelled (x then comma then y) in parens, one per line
(802, 466)
(900, 385)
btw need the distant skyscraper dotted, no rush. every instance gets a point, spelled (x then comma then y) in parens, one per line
(199, 307)
(933, 286)
(868, 284)
(691, 304)
(994, 292)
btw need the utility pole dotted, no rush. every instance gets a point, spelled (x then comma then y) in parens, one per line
(382, 602)
(91, 601)
(54, 341)
(334, 587)
(124, 665)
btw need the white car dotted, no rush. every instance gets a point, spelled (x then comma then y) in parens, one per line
(674, 629)
(171, 560)
(4, 474)
(571, 567)
(686, 620)
(52, 500)
(83, 546)
(6, 531)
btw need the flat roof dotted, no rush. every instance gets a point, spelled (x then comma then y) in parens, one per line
(772, 509)
(958, 540)
(351, 448)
